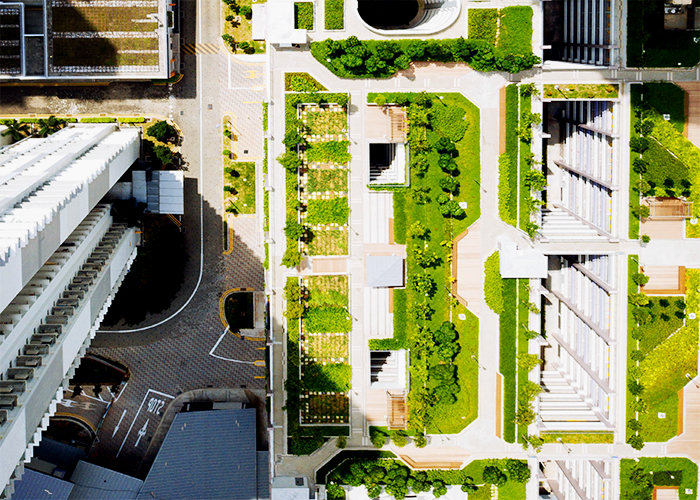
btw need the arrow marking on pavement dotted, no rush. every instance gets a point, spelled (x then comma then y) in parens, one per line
(119, 423)
(141, 433)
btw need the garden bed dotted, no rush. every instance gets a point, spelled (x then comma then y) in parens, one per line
(637, 479)
(426, 304)
(581, 91)
(304, 15)
(301, 82)
(240, 28)
(239, 179)
(334, 13)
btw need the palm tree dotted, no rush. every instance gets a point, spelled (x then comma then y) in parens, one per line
(49, 126)
(17, 130)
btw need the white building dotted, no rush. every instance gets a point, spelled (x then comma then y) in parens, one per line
(62, 258)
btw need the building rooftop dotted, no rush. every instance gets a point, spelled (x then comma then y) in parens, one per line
(92, 482)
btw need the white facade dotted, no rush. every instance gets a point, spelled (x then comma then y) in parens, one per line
(61, 262)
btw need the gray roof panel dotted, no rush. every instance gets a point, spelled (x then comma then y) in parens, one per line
(38, 486)
(384, 271)
(92, 482)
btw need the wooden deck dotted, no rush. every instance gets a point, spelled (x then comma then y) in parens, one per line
(664, 280)
(375, 407)
(436, 458)
(692, 111)
(467, 268)
(663, 229)
(688, 443)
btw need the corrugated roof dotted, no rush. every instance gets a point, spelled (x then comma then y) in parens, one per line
(206, 455)
(384, 271)
(92, 482)
(38, 486)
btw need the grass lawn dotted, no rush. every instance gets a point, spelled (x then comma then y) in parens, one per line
(483, 25)
(666, 98)
(515, 30)
(334, 14)
(655, 47)
(508, 327)
(684, 471)
(581, 91)
(324, 121)
(239, 176)
(241, 32)
(327, 291)
(588, 437)
(327, 347)
(329, 241)
(321, 180)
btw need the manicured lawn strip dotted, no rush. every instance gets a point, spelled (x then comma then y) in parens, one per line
(507, 364)
(304, 15)
(322, 180)
(400, 339)
(508, 184)
(327, 347)
(523, 314)
(515, 30)
(632, 287)
(581, 91)
(334, 13)
(666, 175)
(361, 56)
(635, 195)
(686, 471)
(265, 106)
(652, 46)
(523, 190)
(239, 176)
(400, 216)
(483, 25)
(572, 438)
(302, 440)
(328, 377)
(301, 82)
(329, 241)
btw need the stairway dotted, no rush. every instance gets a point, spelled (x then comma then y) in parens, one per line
(559, 225)
(562, 408)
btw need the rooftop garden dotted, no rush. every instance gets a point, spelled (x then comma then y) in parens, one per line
(478, 479)
(638, 478)
(315, 160)
(237, 27)
(101, 49)
(662, 349)
(318, 373)
(304, 15)
(649, 45)
(664, 163)
(301, 82)
(444, 174)
(581, 91)
(354, 58)
(334, 13)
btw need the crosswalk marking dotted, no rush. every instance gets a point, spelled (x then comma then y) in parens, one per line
(201, 48)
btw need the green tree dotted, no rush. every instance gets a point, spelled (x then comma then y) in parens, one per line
(421, 283)
(49, 126)
(162, 131)
(16, 130)
(164, 154)
(518, 470)
(494, 475)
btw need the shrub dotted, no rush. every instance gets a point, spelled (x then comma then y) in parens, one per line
(646, 238)
(493, 283)
(528, 361)
(640, 279)
(304, 15)
(494, 475)
(425, 258)
(330, 151)
(422, 284)
(333, 377)
(638, 299)
(378, 439)
(639, 144)
(291, 257)
(518, 470)
(334, 14)
(138, 119)
(636, 442)
(420, 441)
(399, 438)
(246, 11)
(98, 119)
(164, 154)
(161, 131)
(290, 161)
(301, 82)
(418, 230)
(535, 179)
(226, 153)
(333, 211)
(327, 320)
(449, 184)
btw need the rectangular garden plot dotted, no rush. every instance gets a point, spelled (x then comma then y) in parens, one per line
(324, 122)
(327, 180)
(328, 241)
(324, 350)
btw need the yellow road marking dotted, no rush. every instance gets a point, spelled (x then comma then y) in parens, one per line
(259, 362)
(252, 73)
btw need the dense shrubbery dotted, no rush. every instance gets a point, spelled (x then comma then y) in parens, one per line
(162, 131)
(304, 15)
(301, 82)
(493, 284)
(327, 320)
(354, 58)
(334, 14)
(329, 152)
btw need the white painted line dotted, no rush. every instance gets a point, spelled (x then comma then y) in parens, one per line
(120, 393)
(211, 353)
(139, 411)
(201, 198)
(229, 71)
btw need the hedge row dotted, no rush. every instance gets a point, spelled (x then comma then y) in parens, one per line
(298, 82)
(354, 58)
(507, 325)
(493, 284)
(304, 15)
(508, 162)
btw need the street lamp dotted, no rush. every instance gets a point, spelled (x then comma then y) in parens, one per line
(477, 362)
(692, 379)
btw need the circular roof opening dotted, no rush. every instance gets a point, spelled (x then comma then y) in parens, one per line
(390, 14)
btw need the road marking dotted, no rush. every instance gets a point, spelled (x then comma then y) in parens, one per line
(252, 74)
(139, 411)
(141, 433)
(201, 48)
(211, 353)
(119, 423)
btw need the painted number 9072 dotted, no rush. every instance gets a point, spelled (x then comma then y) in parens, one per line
(155, 405)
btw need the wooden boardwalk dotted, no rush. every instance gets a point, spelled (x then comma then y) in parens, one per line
(688, 443)
(467, 268)
(692, 111)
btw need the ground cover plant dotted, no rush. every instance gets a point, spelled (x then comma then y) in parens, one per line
(239, 178)
(354, 58)
(334, 12)
(508, 162)
(301, 405)
(304, 15)
(322, 180)
(653, 46)
(637, 479)
(301, 82)
(581, 91)
(662, 349)
(483, 25)
(444, 171)
(325, 213)
(237, 30)
(321, 122)
(515, 30)
(396, 479)
(572, 438)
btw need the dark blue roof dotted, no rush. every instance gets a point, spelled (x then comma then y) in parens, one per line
(92, 482)
(206, 455)
(38, 486)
